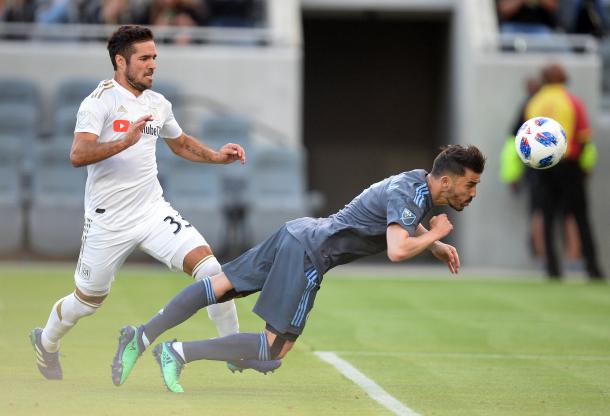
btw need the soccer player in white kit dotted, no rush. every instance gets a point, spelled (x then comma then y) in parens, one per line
(115, 137)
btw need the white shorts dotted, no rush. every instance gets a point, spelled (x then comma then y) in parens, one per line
(165, 235)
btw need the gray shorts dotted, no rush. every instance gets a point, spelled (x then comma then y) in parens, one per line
(280, 269)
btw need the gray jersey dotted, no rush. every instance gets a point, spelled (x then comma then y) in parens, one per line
(359, 229)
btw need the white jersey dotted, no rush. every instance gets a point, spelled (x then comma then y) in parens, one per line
(122, 189)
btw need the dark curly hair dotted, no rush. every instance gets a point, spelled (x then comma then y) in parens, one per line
(455, 159)
(122, 40)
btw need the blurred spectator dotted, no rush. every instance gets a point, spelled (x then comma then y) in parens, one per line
(527, 16)
(56, 11)
(563, 187)
(235, 13)
(111, 12)
(184, 13)
(513, 172)
(19, 11)
(175, 13)
(584, 16)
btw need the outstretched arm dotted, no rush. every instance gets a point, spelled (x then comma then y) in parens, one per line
(86, 149)
(192, 149)
(402, 246)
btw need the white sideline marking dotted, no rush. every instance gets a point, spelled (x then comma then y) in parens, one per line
(484, 356)
(369, 386)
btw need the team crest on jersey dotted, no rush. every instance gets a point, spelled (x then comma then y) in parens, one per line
(85, 272)
(407, 217)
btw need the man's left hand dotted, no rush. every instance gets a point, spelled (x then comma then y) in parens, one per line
(231, 152)
(447, 254)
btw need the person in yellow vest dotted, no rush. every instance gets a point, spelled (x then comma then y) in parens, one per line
(562, 187)
(515, 174)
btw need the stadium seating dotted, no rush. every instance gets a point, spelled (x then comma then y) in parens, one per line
(277, 190)
(65, 120)
(17, 128)
(19, 116)
(194, 190)
(173, 94)
(71, 92)
(56, 214)
(218, 130)
(17, 91)
(11, 226)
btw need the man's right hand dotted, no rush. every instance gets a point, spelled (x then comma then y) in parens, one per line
(440, 225)
(135, 130)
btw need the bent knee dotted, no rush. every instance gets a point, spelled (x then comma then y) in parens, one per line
(94, 301)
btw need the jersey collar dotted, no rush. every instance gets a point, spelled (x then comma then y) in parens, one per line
(126, 92)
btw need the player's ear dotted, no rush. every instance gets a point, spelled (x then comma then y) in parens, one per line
(446, 182)
(120, 60)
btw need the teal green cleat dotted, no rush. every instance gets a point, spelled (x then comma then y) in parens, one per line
(171, 365)
(127, 353)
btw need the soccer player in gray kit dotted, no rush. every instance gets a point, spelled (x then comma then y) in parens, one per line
(287, 268)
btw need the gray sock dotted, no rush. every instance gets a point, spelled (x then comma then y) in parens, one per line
(242, 346)
(192, 298)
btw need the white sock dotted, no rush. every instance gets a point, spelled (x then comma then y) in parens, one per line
(64, 315)
(145, 340)
(177, 346)
(224, 315)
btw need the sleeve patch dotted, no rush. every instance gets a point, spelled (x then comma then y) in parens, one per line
(407, 217)
(82, 119)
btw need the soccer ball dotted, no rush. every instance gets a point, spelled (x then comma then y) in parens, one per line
(541, 142)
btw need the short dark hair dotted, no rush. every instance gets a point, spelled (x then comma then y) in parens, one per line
(122, 40)
(455, 159)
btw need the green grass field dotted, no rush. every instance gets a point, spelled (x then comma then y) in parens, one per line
(440, 346)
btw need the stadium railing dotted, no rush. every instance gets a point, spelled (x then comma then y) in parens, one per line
(163, 34)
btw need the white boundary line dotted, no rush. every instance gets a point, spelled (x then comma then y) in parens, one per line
(484, 356)
(369, 386)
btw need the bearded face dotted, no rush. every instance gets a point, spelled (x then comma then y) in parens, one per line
(140, 66)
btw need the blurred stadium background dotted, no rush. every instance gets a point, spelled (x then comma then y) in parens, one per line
(326, 95)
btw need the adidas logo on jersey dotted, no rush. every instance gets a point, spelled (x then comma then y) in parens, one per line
(121, 110)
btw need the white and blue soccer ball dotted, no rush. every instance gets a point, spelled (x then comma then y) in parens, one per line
(541, 142)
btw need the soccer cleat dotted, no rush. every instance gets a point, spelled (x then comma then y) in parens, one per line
(171, 365)
(47, 362)
(258, 365)
(127, 353)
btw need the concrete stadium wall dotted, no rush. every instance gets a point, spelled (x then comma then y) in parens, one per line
(261, 83)
(494, 228)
